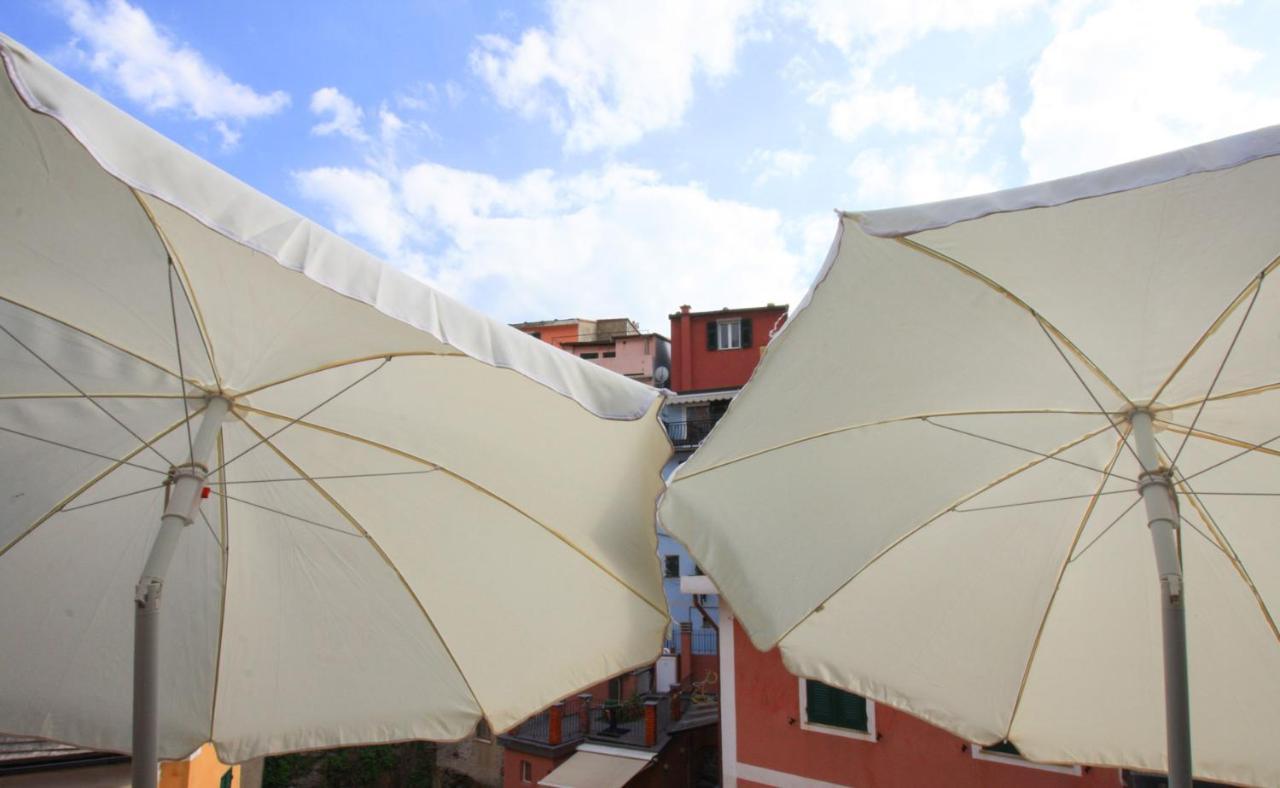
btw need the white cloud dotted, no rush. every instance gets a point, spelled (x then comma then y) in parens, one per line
(924, 172)
(121, 43)
(901, 109)
(934, 147)
(781, 163)
(875, 29)
(606, 74)
(1135, 78)
(618, 240)
(345, 117)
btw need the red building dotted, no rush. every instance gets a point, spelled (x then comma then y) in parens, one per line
(720, 349)
(777, 729)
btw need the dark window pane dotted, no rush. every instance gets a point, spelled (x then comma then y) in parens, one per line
(830, 706)
(672, 566)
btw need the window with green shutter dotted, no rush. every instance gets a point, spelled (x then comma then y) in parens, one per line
(226, 780)
(825, 705)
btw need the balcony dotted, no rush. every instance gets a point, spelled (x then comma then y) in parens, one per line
(689, 434)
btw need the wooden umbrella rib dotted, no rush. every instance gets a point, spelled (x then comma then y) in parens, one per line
(470, 483)
(1217, 324)
(320, 490)
(96, 338)
(87, 485)
(1225, 440)
(879, 423)
(346, 363)
(935, 517)
(187, 290)
(1057, 584)
(997, 287)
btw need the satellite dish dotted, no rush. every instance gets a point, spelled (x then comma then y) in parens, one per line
(661, 375)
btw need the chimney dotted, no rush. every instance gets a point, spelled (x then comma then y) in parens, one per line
(650, 723)
(555, 724)
(686, 652)
(682, 370)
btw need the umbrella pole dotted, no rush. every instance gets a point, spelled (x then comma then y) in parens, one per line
(180, 510)
(1156, 487)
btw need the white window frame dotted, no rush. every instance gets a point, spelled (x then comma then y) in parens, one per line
(729, 334)
(526, 771)
(1015, 760)
(834, 730)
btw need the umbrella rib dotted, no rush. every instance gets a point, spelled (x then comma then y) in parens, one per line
(1032, 451)
(997, 287)
(1044, 327)
(177, 344)
(878, 423)
(1224, 544)
(86, 451)
(346, 363)
(115, 497)
(92, 401)
(1057, 584)
(97, 338)
(175, 263)
(470, 483)
(388, 474)
(98, 395)
(1254, 284)
(1105, 529)
(934, 518)
(76, 493)
(1218, 374)
(308, 412)
(377, 548)
(1041, 500)
(1249, 392)
(1247, 448)
(283, 513)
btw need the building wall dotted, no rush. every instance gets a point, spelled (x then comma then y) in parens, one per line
(695, 368)
(907, 753)
(555, 335)
(201, 770)
(511, 769)
(482, 761)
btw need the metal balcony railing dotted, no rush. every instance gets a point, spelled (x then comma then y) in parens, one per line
(690, 433)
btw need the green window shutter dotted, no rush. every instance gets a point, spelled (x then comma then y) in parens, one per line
(226, 780)
(713, 337)
(830, 706)
(746, 332)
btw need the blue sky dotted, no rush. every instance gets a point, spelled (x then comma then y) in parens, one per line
(600, 159)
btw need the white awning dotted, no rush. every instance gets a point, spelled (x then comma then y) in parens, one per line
(597, 770)
(699, 397)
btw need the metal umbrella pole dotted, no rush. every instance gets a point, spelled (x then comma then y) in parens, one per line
(179, 512)
(1156, 487)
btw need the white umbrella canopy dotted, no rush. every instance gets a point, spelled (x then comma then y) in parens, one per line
(918, 499)
(418, 516)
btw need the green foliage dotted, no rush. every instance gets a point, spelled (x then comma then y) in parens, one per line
(391, 765)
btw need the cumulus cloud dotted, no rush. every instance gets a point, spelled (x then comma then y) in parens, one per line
(1099, 98)
(780, 163)
(618, 240)
(345, 116)
(872, 30)
(606, 74)
(119, 42)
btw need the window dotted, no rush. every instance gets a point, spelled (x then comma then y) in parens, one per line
(526, 772)
(1006, 752)
(536, 334)
(227, 779)
(672, 564)
(729, 334)
(829, 710)
(609, 354)
(484, 732)
(590, 355)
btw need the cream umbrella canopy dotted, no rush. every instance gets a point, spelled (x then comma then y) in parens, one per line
(929, 492)
(416, 517)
